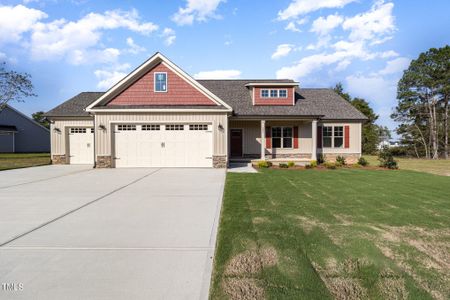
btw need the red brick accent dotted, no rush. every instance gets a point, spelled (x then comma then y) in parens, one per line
(179, 91)
(319, 136)
(347, 136)
(295, 137)
(268, 137)
(289, 100)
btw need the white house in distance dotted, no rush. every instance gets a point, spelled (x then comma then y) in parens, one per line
(159, 116)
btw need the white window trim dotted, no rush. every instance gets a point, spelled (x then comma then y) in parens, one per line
(332, 137)
(154, 82)
(269, 92)
(282, 137)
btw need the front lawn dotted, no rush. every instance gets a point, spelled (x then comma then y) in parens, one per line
(344, 234)
(439, 166)
(23, 160)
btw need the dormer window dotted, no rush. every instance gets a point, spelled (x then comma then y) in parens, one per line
(273, 93)
(160, 82)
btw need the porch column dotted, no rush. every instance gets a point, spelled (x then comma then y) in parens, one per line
(314, 140)
(263, 139)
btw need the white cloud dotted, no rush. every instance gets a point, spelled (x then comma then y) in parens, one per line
(169, 36)
(108, 77)
(14, 21)
(282, 50)
(2, 56)
(293, 25)
(389, 54)
(395, 66)
(302, 7)
(196, 10)
(323, 41)
(343, 65)
(133, 47)
(218, 74)
(323, 26)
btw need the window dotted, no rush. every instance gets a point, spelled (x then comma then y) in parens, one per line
(126, 127)
(333, 136)
(92, 130)
(273, 93)
(264, 93)
(282, 137)
(149, 127)
(282, 93)
(77, 130)
(198, 127)
(175, 127)
(160, 82)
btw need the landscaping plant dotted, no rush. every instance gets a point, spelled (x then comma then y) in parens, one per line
(387, 159)
(363, 162)
(340, 161)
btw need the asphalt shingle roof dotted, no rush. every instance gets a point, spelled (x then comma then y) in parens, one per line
(309, 102)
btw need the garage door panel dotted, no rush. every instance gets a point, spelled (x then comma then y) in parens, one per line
(81, 145)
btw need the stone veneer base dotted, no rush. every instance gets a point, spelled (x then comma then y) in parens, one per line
(59, 159)
(350, 158)
(220, 161)
(104, 161)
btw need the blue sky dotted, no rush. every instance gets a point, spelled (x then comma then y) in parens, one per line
(81, 45)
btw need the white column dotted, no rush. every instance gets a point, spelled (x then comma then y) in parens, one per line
(263, 139)
(314, 140)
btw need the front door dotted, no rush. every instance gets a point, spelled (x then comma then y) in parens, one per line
(236, 142)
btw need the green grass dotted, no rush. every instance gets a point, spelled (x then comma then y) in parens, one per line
(323, 234)
(439, 166)
(23, 160)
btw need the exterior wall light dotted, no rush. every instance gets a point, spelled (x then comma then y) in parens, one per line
(102, 127)
(56, 129)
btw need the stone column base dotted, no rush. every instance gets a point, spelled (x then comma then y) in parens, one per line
(104, 161)
(220, 161)
(59, 159)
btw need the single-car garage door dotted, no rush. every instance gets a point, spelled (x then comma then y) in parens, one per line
(81, 145)
(163, 145)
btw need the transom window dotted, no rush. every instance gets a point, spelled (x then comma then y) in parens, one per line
(148, 127)
(78, 130)
(281, 137)
(273, 93)
(174, 127)
(333, 136)
(198, 127)
(126, 127)
(160, 82)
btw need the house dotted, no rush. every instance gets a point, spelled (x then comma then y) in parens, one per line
(159, 116)
(19, 133)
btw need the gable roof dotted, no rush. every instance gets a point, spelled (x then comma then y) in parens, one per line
(75, 106)
(156, 59)
(22, 115)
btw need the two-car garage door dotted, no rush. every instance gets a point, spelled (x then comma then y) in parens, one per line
(163, 145)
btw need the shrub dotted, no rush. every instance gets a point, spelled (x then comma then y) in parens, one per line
(398, 151)
(362, 161)
(320, 159)
(264, 164)
(330, 165)
(291, 164)
(283, 165)
(387, 159)
(340, 161)
(311, 165)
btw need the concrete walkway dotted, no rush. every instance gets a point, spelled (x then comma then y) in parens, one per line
(241, 168)
(75, 233)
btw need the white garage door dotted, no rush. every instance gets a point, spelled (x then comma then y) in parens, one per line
(81, 145)
(163, 145)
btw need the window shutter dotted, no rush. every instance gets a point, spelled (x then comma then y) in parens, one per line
(268, 137)
(295, 137)
(347, 136)
(319, 136)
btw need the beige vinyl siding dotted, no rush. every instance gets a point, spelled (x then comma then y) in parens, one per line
(58, 140)
(355, 138)
(104, 137)
(251, 135)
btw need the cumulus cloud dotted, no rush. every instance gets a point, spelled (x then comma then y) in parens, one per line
(323, 25)
(108, 77)
(282, 50)
(133, 47)
(302, 7)
(169, 36)
(16, 20)
(395, 66)
(196, 10)
(294, 25)
(218, 74)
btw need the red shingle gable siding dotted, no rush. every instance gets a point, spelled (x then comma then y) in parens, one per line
(179, 91)
(289, 100)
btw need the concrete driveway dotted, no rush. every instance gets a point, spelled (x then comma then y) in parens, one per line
(73, 232)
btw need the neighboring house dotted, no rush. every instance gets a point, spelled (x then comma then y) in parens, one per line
(19, 133)
(159, 116)
(388, 144)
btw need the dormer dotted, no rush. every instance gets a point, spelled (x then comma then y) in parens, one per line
(273, 93)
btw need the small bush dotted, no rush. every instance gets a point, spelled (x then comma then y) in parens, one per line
(291, 164)
(398, 151)
(330, 165)
(363, 162)
(320, 159)
(264, 164)
(283, 165)
(311, 165)
(340, 161)
(387, 159)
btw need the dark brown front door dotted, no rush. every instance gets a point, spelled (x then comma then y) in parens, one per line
(236, 142)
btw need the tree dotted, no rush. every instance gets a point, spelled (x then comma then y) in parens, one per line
(423, 100)
(14, 86)
(370, 131)
(39, 117)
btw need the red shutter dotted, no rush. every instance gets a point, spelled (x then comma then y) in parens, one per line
(295, 137)
(319, 136)
(268, 137)
(347, 136)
